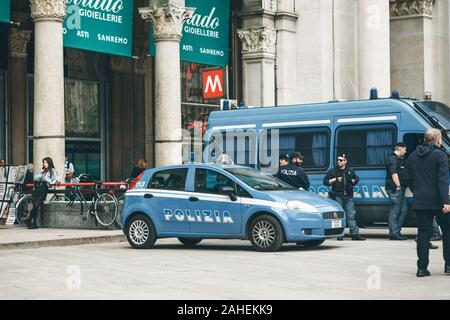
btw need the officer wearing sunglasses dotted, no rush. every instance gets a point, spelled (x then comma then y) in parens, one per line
(342, 179)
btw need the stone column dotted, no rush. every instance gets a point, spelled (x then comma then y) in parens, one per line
(259, 42)
(374, 48)
(412, 55)
(286, 26)
(167, 22)
(258, 65)
(17, 85)
(49, 135)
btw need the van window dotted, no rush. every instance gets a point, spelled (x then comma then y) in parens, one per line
(366, 146)
(174, 179)
(313, 143)
(239, 145)
(412, 140)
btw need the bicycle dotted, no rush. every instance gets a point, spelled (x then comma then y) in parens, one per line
(103, 206)
(24, 204)
(118, 194)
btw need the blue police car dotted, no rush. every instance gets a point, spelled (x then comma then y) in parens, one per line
(205, 201)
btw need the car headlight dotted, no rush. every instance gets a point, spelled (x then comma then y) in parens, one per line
(301, 206)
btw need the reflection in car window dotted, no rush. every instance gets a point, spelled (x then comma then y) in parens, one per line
(174, 179)
(210, 181)
(259, 181)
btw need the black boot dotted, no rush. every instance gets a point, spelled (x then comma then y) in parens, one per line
(32, 223)
(423, 273)
(447, 268)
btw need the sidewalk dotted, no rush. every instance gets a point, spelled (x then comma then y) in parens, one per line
(15, 237)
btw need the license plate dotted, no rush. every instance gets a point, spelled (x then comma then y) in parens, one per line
(336, 223)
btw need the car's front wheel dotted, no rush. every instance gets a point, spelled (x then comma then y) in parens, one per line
(266, 234)
(190, 242)
(141, 233)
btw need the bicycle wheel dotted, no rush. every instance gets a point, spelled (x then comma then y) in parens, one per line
(106, 209)
(23, 210)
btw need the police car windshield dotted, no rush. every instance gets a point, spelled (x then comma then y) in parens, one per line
(259, 181)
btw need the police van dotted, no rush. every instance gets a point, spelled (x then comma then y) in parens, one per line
(365, 130)
(203, 201)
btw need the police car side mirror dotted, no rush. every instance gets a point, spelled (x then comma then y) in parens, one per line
(229, 191)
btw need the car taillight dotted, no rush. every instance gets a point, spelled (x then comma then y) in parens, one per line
(135, 181)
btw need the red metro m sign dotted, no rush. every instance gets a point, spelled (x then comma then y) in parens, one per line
(213, 86)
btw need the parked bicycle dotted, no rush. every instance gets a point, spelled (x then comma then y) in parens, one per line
(103, 206)
(117, 190)
(24, 204)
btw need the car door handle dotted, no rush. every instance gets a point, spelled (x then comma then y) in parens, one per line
(148, 196)
(193, 199)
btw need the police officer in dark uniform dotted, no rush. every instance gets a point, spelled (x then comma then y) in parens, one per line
(342, 179)
(397, 180)
(292, 173)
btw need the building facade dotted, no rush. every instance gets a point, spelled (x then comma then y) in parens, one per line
(106, 111)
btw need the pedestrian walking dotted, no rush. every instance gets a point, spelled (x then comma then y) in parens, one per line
(46, 177)
(428, 167)
(342, 179)
(397, 180)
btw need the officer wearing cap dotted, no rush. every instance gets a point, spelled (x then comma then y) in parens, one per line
(283, 160)
(292, 173)
(342, 179)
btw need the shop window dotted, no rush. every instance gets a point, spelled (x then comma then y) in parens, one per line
(86, 158)
(82, 108)
(83, 103)
(195, 109)
(192, 83)
(2, 115)
(366, 146)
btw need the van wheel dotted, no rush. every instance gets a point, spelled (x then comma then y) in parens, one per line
(190, 242)
(312, 243)
(266, 234)
(141, 232)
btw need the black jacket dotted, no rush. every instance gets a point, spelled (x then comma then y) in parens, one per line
(343, 187)
(396, 165)
(135, 172)
(428, 168)
(293, 175)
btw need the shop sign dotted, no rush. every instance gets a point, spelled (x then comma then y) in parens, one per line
(103, 25)
(206, 35)
(5, 11)
(213, 84)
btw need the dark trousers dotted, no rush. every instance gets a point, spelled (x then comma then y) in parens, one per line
(425, 231)
(39, 195)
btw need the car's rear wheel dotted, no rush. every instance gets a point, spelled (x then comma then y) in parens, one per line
(266, 234)
(190, 242)
(311, 243)
(141, 233)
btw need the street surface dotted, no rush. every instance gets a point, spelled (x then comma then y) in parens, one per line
(224, 269)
